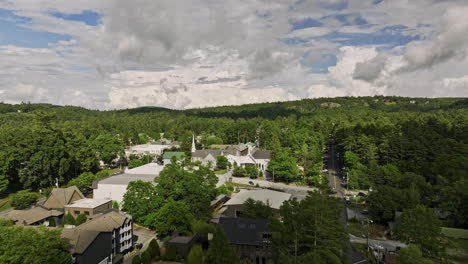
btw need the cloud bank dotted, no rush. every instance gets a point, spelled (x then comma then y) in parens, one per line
(184, 54)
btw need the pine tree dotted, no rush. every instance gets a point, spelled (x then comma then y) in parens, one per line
(153, 248)
(196, 255)
(220, 251)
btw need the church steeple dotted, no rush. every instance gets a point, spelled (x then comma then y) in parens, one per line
(193, 144)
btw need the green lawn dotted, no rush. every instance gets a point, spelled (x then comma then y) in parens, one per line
(5, 204)
(455, 232)
(220, 171)
(457, 250)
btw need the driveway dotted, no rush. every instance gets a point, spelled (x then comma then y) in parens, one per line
(143, 236)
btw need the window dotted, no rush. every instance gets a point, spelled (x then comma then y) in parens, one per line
(86, 213)
(77, 212)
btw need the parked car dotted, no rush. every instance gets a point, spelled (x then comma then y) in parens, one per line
(251, 183)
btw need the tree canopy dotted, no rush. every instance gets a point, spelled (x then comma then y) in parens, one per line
(32, 245)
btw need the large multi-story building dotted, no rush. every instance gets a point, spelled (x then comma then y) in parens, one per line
(102, 240)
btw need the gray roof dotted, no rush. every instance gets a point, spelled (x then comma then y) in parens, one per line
(214, 152)
(241, 147)
(125, 179)
(79, 239)
(32, 215)
(150, 169)
(243, 231)
(105, 222)
(273, 198)
(181, 240)
(261, 154)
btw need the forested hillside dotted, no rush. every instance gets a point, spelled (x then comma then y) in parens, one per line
(413, 150)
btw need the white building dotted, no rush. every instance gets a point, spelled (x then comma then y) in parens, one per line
(274, 199)
(242, 155)
(115, 187)
(148, 149)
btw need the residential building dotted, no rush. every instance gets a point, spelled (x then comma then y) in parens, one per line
(241, 155)
(103, 239)
(167, 156)
(114, 187)
(60, 197)
(88, 207)
(60, 201)
(233, 207)
(250, 237)
(36, 215)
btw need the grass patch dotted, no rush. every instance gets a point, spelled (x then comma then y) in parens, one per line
(457, 250)
(117, 170)
(220, 171)
(5, 204)
(455, 232)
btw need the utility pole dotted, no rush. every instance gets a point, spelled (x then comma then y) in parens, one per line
(347, 182)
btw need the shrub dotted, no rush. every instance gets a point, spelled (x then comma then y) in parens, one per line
(24, 199)
(171, 253)
(69, 220)
(102, 174)
(115, 205)
(145, 257)
(153, 248)
(136, 260)
(196, 255)
(80, 219)
(52, 222)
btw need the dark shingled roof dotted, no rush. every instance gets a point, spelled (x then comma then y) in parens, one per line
(181, 240)
(261, 154)
(243, 230)
(213, 152)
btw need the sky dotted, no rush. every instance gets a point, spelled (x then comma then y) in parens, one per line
(114, 54)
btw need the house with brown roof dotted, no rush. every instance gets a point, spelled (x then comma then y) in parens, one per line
(103, 239)
(60, 197)
(36, 215)
(88, 207)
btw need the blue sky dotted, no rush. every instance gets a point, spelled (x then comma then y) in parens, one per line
(89, 17)
(14, 31)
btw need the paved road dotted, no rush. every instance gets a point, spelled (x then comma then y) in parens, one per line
(335, 181)
(390, 245)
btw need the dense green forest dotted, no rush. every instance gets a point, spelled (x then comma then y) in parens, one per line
(411, 151)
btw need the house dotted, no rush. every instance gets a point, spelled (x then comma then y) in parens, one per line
(242, 155)
(114, 187)
(250, 237)
(274, 199)
(103, 239)
(182, 244)
(88, 207)
(36, 215)
(208, 156)
(60, 197)
(167, 156)
(60, 201)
